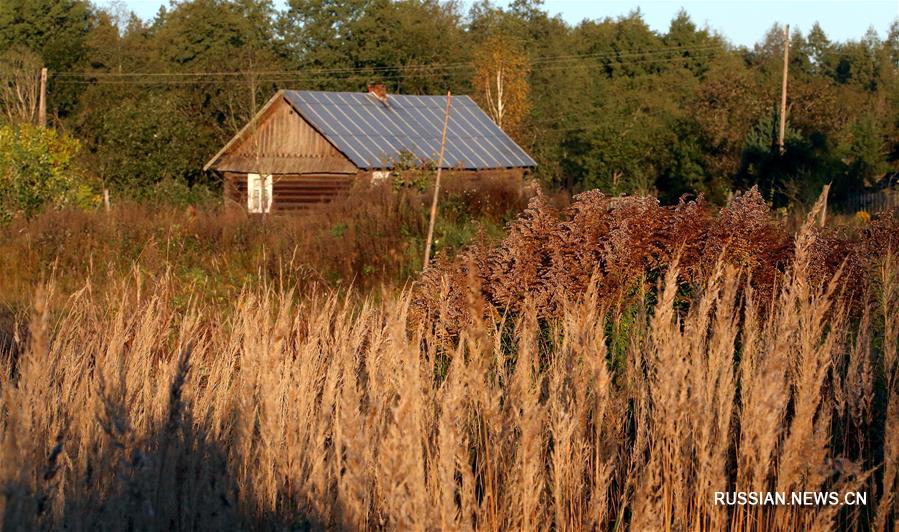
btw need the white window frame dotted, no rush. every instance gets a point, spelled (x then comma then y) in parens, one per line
(379, 175)
(259, 193)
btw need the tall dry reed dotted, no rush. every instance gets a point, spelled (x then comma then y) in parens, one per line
(143, 412)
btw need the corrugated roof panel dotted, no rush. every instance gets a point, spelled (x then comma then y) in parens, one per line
(372, 134)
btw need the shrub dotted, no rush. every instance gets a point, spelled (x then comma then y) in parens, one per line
(621, 246)
(37, 170)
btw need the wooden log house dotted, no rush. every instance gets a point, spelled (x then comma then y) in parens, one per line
(305, 147)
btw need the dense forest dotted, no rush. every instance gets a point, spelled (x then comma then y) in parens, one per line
(566, 360)
(608, 104)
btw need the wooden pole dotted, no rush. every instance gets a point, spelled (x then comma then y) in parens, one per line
(824, 193)
(449, 103)
(783, 91)
(42, 106)
(106, 199)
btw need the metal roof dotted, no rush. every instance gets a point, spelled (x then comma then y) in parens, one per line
(373, 134)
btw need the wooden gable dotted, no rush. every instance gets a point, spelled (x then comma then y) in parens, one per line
(280, 141)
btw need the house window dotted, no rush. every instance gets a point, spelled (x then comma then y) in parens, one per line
(378, 175)
(259, 193)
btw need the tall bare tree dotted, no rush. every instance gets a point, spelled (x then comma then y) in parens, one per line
(20, 80)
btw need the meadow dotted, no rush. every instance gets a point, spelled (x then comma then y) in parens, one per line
(590, 364)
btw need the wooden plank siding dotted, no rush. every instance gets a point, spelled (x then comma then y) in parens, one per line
(280, 141)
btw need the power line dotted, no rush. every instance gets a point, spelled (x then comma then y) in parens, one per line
(542, 67)
(614, 55)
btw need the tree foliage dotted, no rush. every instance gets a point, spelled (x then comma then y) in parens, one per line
(36, 170)
(608, 103)
(501, 83)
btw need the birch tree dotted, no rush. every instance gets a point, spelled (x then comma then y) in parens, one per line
(501, 82)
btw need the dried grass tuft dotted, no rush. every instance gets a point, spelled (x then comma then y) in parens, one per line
(609, 366)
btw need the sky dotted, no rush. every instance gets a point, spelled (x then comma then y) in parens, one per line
(740, 21)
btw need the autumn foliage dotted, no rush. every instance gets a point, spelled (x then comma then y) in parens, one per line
(500, 82)
(622, 245)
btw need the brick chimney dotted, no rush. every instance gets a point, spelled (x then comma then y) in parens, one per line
(379, 91)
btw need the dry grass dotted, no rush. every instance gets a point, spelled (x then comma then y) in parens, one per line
(372, 236)
(139, 412)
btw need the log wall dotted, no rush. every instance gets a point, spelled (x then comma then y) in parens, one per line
(290, 192)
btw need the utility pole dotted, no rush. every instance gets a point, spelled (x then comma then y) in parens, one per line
(449, 103)
(783, 91)
(42, 106)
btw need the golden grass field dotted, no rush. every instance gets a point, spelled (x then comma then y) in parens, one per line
(457, 403)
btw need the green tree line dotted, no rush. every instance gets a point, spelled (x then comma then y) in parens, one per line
(612, 104)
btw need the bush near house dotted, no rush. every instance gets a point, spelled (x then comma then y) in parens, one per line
(37, 170)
